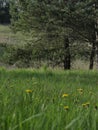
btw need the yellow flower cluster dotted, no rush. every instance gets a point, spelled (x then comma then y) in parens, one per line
(65, 95)
(66, 107)
(28, 91)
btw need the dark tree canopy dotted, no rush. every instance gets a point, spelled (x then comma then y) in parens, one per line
(66, 20)
(4, 12)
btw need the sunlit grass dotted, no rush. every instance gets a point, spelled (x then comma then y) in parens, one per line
(9, 37)
(48, 100)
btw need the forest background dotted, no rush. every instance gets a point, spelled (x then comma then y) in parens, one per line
(57, 34)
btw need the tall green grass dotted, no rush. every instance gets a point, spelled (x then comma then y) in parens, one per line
(44, 106)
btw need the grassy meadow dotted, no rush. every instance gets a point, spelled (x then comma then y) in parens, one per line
(9, 37)
(48, 100)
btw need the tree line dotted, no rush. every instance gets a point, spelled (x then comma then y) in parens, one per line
(56, 26)
(4, 12)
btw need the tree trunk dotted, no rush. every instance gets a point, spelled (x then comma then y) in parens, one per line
(97, 44)
(92, 56)
(97, 56)
(94, 42)
(67, 56)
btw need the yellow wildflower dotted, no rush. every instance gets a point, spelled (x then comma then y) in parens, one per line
(86, 104)
(65, 95)
(80, 90)
(66, 107)
(28, 91)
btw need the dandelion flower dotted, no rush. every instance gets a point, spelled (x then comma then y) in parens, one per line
(80, 90)
(86, 104)
(65, 95)
(66, 107)
(28, 91)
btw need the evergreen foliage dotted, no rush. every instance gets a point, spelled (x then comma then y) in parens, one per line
(4, 12)
(59, 23)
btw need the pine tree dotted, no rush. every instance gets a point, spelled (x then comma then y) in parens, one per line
(4, 12)
(70, 19)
